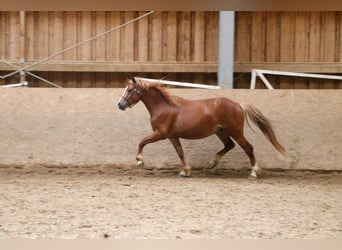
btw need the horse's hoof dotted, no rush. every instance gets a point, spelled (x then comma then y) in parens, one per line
(253, 175)
(183, 176)
(140, 164)
(212, 164)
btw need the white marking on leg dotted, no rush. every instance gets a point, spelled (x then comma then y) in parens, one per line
(140, 160)
(186, 171)
(255, 170)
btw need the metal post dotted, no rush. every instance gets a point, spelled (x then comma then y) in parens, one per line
(226, 49)
(22, 15)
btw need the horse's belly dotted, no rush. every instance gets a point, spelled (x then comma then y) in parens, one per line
(196, 131)
(196, 121)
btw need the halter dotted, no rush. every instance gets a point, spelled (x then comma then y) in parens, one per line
(131, 92)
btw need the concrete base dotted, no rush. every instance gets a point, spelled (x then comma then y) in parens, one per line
(61, 127)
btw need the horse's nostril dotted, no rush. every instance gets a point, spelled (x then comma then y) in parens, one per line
(121, 106)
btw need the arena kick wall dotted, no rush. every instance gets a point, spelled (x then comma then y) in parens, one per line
(84, 127)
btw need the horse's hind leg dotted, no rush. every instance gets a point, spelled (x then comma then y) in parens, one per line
(248, 148)
(186, 169)
(228, 145)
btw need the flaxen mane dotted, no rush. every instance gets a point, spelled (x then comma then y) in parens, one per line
(158, 88)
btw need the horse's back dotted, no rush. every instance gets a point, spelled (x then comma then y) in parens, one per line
(200, 118)
(212, 107)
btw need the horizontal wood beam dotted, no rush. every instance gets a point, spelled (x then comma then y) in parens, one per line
(177, 67)
(205, 67)
(307, 67)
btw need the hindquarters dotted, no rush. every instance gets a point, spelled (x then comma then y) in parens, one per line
(229, 115)
(231, 118)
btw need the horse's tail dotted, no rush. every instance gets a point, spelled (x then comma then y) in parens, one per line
(263, 124)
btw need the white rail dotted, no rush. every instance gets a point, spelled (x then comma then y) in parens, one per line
(15, 85)
(182, 84)
(260, 73)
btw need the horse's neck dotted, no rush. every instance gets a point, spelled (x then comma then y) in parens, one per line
(153, 102)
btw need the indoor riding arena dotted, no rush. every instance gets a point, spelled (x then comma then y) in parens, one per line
(68, 166)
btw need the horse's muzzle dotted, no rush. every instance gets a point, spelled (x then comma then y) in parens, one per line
(122, 106)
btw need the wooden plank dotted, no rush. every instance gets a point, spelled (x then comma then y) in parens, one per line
(301, 44)
(99, 44)
(14, 35)
(198, 51)
(70, 34)
(120, 67)
(56, 34)
(42, 35)
(338, 38)
(127, 38)
(8, 20)
(115, 81)
(211, 41)
(328, 43)
(315, 36)
(22, 34)
(310, 67)
(272, 37)
(85, 79)
(287, 37)
(328, 36)
(113, 45)
(2, 34)
(243, 36)
(107, 37)
(286, 45)
(70, 79)
(141, 41)
(184, 36)
(314, 43)
(156, 36)
(100, 81)
(30, 22)
(170, 40)
(258, 37)
(242, 81)
(84, 33)
(78, 82)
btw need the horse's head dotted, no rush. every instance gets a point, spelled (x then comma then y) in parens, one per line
(131, 94)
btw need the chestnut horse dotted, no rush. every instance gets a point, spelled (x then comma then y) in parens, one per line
(173, 117)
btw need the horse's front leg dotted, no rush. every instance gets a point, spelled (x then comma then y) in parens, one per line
(155, 136)
(186, 169)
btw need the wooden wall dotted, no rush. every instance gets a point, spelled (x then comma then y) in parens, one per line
(180, 46)
(176, 45)
(162, 36)
(289, 41)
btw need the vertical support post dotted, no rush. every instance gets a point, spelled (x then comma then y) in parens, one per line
(253, 79)
(226, 49)
(22, 43)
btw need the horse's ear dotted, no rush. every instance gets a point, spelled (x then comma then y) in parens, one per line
(135, 81)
